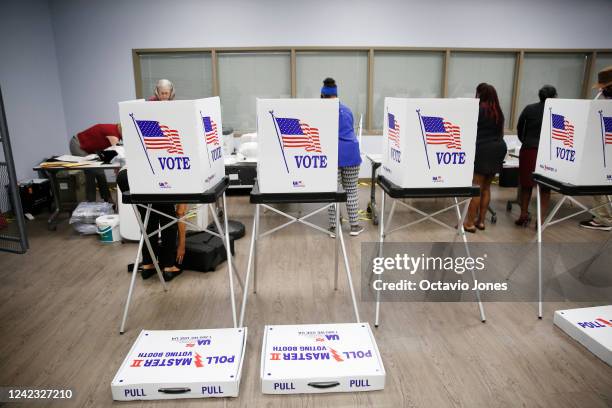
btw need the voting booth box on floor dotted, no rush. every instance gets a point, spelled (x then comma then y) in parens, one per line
(172, 147)
(320, 358)
(591, 327)
(172, 364)
(297, 145)
(429, 143)
(575, 141)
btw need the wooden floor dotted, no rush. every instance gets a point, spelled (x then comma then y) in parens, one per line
(61, 304)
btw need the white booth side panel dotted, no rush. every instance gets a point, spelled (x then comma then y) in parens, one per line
(165, 145)
(297, 145)
(437, 142)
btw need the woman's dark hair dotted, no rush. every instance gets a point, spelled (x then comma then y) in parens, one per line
(547, 91)
(490, 103)
(328, 83)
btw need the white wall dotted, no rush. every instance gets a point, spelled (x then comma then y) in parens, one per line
(30, 84)
(94, 39)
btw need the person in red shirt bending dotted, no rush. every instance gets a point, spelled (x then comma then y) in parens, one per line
(96, 138)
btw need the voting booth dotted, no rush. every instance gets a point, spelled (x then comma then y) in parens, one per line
(318, 358)
(429, 142)
(174, 155)
(574, 160)
(576, 141)
(171, 364)
(297, 145)
(589, 326)
(428, 152)
(172, 147)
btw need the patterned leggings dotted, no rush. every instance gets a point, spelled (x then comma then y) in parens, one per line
(348, 177)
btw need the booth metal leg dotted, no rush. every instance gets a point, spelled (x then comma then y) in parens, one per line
(248, 270)
(134, 272)
(228, 252)
(132, 280)
(381, 238)
(256, 228)
(460, 219)
(347, 267)
(143, 229)
(391, 215)
(539, 216)
(336, 256)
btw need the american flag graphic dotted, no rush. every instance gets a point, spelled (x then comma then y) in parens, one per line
(160, 137)
(394, 131)
(562, 129)
(297, 134)
(607, 125)
(210, 128)
(442, 132)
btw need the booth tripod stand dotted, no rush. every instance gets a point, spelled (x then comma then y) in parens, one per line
(210, 198)
(397, 193)
(568, 191)
(266, 200)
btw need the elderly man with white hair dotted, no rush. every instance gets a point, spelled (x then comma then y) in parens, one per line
(164, 91)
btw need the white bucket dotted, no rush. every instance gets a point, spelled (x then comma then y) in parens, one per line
(108, 228)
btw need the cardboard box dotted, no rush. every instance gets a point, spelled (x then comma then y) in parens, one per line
(320, 358)
(172, 364)
(172, 147)
(297, 145)
(429, 143)
(575, 141)
(589, 326)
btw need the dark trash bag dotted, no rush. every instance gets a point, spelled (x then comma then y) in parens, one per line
(204, 252)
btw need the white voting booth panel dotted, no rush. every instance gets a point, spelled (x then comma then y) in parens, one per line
(591, 327)
(575, 141)
(172, 364)
(172, 147)
(429, 143)
(320, 358)
(297, 145)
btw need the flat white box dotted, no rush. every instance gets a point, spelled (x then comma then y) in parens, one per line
(429, 142)
(318, 358)
(589, 326)
(573, 147)
(164, 364)
(297, 145)
(173, 147)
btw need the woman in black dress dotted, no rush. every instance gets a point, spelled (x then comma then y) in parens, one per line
(490, 152)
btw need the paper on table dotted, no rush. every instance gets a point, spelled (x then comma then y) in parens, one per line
(76, 159)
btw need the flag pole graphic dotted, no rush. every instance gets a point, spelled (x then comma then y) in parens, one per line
(141, 142)
(205, 139)
(550, 135)
(418, 111)
(280, 143)
(603, 136)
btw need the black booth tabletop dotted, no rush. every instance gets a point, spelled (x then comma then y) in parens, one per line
(289, 198)
(571, 189)
(207, 197)
(395, 191)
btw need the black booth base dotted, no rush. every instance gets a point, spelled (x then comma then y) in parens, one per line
(207, 197)
(289, 198)
(571, 189)
(395, 191)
